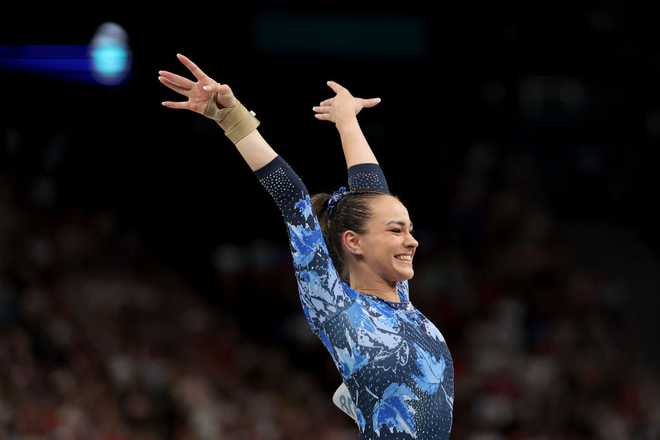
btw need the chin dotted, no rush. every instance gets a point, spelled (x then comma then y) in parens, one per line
(405, 275)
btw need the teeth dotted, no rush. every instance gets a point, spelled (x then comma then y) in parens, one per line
(404, 257)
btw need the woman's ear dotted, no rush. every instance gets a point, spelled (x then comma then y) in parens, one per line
(351, 242)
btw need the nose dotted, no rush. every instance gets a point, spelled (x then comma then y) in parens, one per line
(411, 242)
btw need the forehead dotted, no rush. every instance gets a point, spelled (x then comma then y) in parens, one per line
(388, 208)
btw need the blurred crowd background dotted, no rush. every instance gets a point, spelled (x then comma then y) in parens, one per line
(146, 285)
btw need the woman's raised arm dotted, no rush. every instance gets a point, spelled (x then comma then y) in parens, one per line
(364, 172)
(342, 109)
(321, 292)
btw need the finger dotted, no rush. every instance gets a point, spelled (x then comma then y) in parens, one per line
(336, 87)
(175, 105)
(180, 81)
(322, 109)
(196, 71)
(327, 101)
(224, 90)
(371, 102)
(167, 83)
(220, 89)
(323, 116)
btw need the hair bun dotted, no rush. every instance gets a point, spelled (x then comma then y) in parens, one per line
(335, 198)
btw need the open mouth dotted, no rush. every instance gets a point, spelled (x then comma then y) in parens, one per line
(406, 259)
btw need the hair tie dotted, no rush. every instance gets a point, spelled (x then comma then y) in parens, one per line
(335, 198)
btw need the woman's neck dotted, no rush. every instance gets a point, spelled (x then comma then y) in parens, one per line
(375, 285)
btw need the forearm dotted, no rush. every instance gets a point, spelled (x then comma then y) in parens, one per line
(255, 150)
(355, 145)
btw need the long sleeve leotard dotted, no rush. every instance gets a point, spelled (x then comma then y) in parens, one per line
(394, 361)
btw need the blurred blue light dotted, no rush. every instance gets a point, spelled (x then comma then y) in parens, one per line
(110, 63)
(106, 60)
(110, 54)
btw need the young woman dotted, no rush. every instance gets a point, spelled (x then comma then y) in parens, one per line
(352, 256)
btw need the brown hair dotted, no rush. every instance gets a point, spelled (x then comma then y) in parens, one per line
(352, 212)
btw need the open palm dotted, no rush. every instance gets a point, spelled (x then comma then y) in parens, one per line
(198, 92)
(342, 106)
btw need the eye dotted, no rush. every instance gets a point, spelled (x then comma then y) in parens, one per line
(396, 230)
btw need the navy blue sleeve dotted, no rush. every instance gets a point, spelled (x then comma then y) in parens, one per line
(319, 285)
(367, 177)
(370, 177)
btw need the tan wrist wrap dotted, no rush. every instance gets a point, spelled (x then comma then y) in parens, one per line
(236, 121)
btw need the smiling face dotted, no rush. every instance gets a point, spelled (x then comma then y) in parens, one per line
(388, 246)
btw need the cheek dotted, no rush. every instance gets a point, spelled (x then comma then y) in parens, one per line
(377, 247)
(387, 246)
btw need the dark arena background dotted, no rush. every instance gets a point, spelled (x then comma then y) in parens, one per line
(146, 283)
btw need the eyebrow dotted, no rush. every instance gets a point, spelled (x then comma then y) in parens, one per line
(399, 222)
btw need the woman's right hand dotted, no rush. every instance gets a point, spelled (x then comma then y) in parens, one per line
(198, 92)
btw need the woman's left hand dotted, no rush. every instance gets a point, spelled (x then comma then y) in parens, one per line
(343, 106)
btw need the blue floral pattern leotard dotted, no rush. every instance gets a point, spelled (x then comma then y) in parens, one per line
(394, 361)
